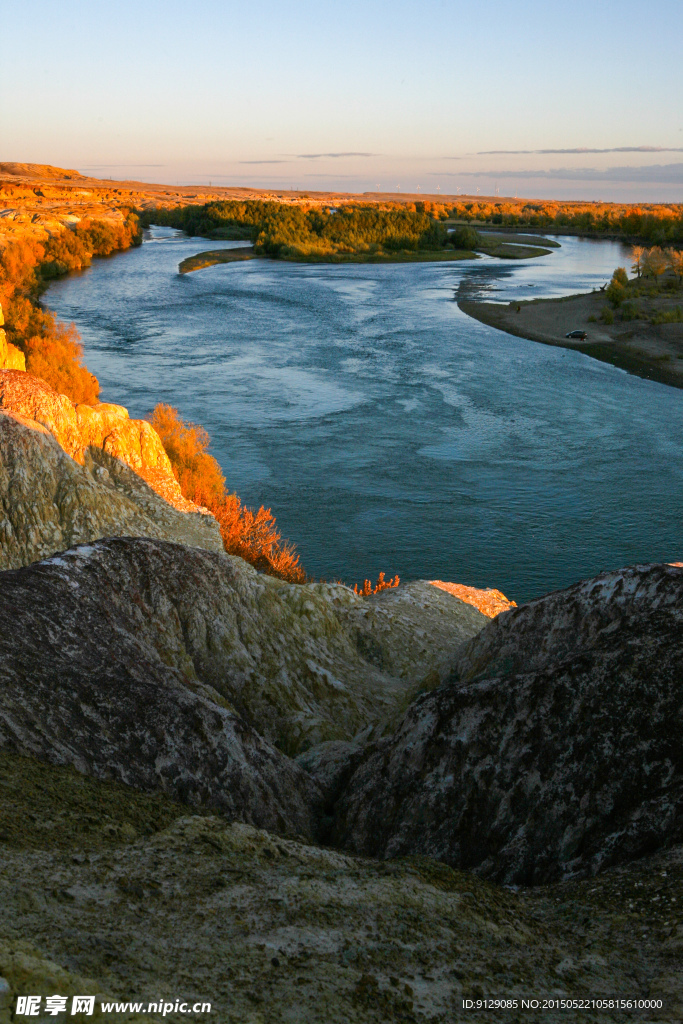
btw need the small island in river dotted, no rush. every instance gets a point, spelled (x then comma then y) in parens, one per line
(355, 233)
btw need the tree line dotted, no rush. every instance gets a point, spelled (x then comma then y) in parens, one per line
(282, 229)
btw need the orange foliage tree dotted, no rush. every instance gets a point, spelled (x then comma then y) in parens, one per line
(53, 350)
(251, 535)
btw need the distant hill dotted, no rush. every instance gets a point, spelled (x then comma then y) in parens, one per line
(37, 171)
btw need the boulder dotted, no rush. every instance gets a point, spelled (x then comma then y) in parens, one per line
(48, 502)
(554, 750)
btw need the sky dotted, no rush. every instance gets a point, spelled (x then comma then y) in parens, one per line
(539, 99)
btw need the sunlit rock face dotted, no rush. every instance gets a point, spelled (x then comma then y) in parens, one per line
(553, 750)
(490, 602)
(104, 426)
(48, 502)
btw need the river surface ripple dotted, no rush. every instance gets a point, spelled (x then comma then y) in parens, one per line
(386, 429)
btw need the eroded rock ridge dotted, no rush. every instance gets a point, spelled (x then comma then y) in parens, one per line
(553, 750)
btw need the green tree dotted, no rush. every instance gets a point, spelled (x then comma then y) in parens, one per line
(465, 237)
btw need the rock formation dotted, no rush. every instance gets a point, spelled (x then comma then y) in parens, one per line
(489, 602)
(105, 426)
(48, 502)
(165, 628)
(553, 750)
(94, 674)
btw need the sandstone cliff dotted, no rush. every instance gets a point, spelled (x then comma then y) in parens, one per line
(104, 426)
(48, 502)
(553, 750)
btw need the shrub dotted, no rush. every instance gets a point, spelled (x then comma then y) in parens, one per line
(55, 356)
(629, 311)
(465, 237)
(251, 535)
(198, 473)
(620, 276)
(669, 316)
(255, 538)
(382, 584)
(615, 293)
(607, 316)
(53, 351)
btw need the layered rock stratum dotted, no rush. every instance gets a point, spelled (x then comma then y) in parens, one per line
(553, 750)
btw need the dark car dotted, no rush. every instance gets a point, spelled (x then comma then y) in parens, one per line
(577, 334)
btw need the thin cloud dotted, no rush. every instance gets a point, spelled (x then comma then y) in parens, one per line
(332, 156)
(579, 149)
(263, 161)
(654, 174)
(104, 167)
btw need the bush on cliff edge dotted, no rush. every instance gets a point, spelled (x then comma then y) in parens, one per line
(251, 535)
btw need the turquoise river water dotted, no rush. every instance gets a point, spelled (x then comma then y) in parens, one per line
(386, 429)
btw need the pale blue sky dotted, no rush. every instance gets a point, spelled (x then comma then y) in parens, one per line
(410, 94)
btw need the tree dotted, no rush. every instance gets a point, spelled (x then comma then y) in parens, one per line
(637, 254)
(654, 262)
(674, 259)
(465, 238)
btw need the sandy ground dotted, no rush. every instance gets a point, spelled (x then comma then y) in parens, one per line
(651, 351)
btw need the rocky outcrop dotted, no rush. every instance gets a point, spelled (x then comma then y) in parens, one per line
(554, 749)
(287, 658)
(133, 895)
(48, 502)
(489, 602)
(104, 426)
(94, 672)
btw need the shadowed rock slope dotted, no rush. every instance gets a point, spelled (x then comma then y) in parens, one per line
(83, 682)
(553, 751)
(48, 502)
(154, 663)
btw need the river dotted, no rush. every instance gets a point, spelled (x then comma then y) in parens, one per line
(385, 428)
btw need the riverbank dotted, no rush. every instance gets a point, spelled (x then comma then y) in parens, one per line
(652, 351)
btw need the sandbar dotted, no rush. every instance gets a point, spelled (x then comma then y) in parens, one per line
(653, 351)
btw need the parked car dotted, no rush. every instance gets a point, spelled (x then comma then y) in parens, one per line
(581, 335)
